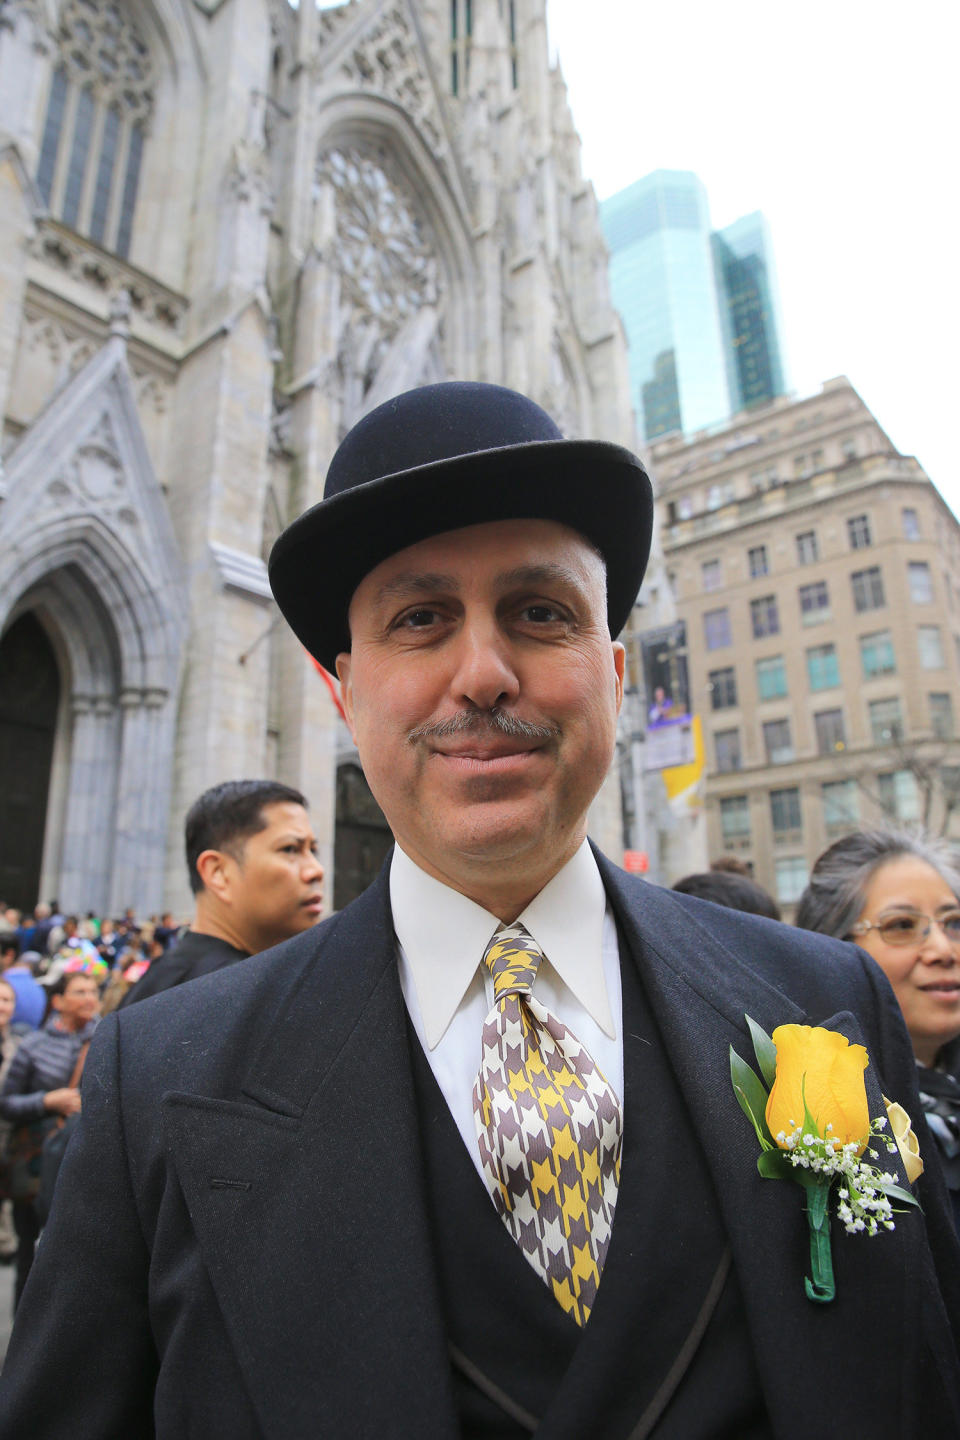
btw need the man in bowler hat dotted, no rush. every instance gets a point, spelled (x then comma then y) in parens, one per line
(466, 1158)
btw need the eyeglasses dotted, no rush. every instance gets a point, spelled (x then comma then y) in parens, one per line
(910, 927)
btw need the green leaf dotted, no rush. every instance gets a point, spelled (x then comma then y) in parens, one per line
(781, 1169)
(897, 1192)
(751, 1096)
(765, 1051)
(774, 1165)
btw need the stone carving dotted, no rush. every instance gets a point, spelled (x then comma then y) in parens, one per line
(390, 306)
(248, 174)
(101, 50)
(560, 399)
(387, 59)
(107, 274)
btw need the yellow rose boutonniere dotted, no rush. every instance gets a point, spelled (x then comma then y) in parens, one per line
(814, 1126)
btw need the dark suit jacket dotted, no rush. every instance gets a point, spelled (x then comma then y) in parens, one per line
(195, 954)
(240, 1246)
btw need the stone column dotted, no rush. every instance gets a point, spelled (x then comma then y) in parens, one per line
(143, 799)
(88, 831)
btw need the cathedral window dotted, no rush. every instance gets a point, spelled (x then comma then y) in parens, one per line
(461, 36)
(98, 110)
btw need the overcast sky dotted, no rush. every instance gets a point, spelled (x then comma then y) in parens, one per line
(839, 121)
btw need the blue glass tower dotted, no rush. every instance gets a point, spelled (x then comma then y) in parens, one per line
(700, 309)
(749, 311)
(663, 283)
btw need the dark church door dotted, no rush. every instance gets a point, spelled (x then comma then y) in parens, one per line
(362, 836)
(29, 700)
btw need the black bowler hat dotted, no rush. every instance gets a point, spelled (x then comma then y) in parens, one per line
(440, 458)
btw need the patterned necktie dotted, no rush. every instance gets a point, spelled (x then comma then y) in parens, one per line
(549, 1129)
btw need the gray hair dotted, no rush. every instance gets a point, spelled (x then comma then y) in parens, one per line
(833, 900)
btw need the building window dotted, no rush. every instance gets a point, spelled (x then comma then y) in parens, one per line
(849, 448)
(823, 672)
(921, 582)
(785, 810)
(807, 548)
(899, 795)
(858, 530)
(723, 688)
(790, 873)
(941, 716)
(831, 735)
(712, 575)
(814, 603)
(876, 654)
(930, 647)
(734, 819)
(776, 741)
(716, 628)
(757, 561)
(727, 746)
(867, 589)
(841, 806)
(771, 678)
(764, 617)
(886, 723)
(801, 467)
(461, 36)
(911, 523)
(98, 112)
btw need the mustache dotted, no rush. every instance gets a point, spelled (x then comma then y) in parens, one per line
(484, 722)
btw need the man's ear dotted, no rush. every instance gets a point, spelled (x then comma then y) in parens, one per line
(344, 660)
(216, 869)
(619, 663)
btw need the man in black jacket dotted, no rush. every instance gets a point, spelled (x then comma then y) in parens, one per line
(252, 861)
(287, 1213)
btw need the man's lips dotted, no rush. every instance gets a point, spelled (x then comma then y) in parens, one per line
(495, 748)
(949, 987)
(313, 902)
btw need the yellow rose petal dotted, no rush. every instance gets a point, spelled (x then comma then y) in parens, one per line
(907, 1142)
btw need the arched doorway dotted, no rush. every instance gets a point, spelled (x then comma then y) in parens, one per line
(29, 702)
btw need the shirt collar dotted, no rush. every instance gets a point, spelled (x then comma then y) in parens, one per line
(444, 934)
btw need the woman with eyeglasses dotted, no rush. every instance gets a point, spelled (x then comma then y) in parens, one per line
(896, 895)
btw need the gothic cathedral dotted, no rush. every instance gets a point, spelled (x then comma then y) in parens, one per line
(228, 228)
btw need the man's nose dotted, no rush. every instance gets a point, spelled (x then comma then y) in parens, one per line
(485, 673)
(312, 869)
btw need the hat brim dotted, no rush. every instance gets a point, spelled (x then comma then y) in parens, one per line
(596, 488)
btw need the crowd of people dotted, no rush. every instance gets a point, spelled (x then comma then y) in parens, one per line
(58, 974)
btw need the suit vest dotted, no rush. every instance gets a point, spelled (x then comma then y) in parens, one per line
(517, 1351)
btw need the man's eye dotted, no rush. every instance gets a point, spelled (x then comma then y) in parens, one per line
(418, 619)
(540, 614)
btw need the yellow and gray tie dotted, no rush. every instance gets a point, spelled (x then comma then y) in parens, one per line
(549, 1129)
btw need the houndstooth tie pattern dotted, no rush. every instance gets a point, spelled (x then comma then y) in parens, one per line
(549, 1129)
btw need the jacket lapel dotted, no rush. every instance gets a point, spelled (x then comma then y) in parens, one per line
(699, 991)
(306, 1197)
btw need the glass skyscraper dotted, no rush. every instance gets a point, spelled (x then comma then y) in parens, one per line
(749, 311)
(699, 309)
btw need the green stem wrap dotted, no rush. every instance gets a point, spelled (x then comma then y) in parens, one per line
(821, 1289)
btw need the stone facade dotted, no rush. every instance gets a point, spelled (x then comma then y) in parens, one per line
(228, 228)
(818, 572)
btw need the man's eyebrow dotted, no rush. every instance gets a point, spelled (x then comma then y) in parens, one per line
(414, 582)
(546, 573)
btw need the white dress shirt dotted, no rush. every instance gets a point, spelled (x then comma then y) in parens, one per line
(449, 993)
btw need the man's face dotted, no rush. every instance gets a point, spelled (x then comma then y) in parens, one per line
(79, 1002)
(504, 619)
(275, 882)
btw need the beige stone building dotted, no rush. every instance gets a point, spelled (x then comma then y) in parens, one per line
(228, 228)
(818, 572)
